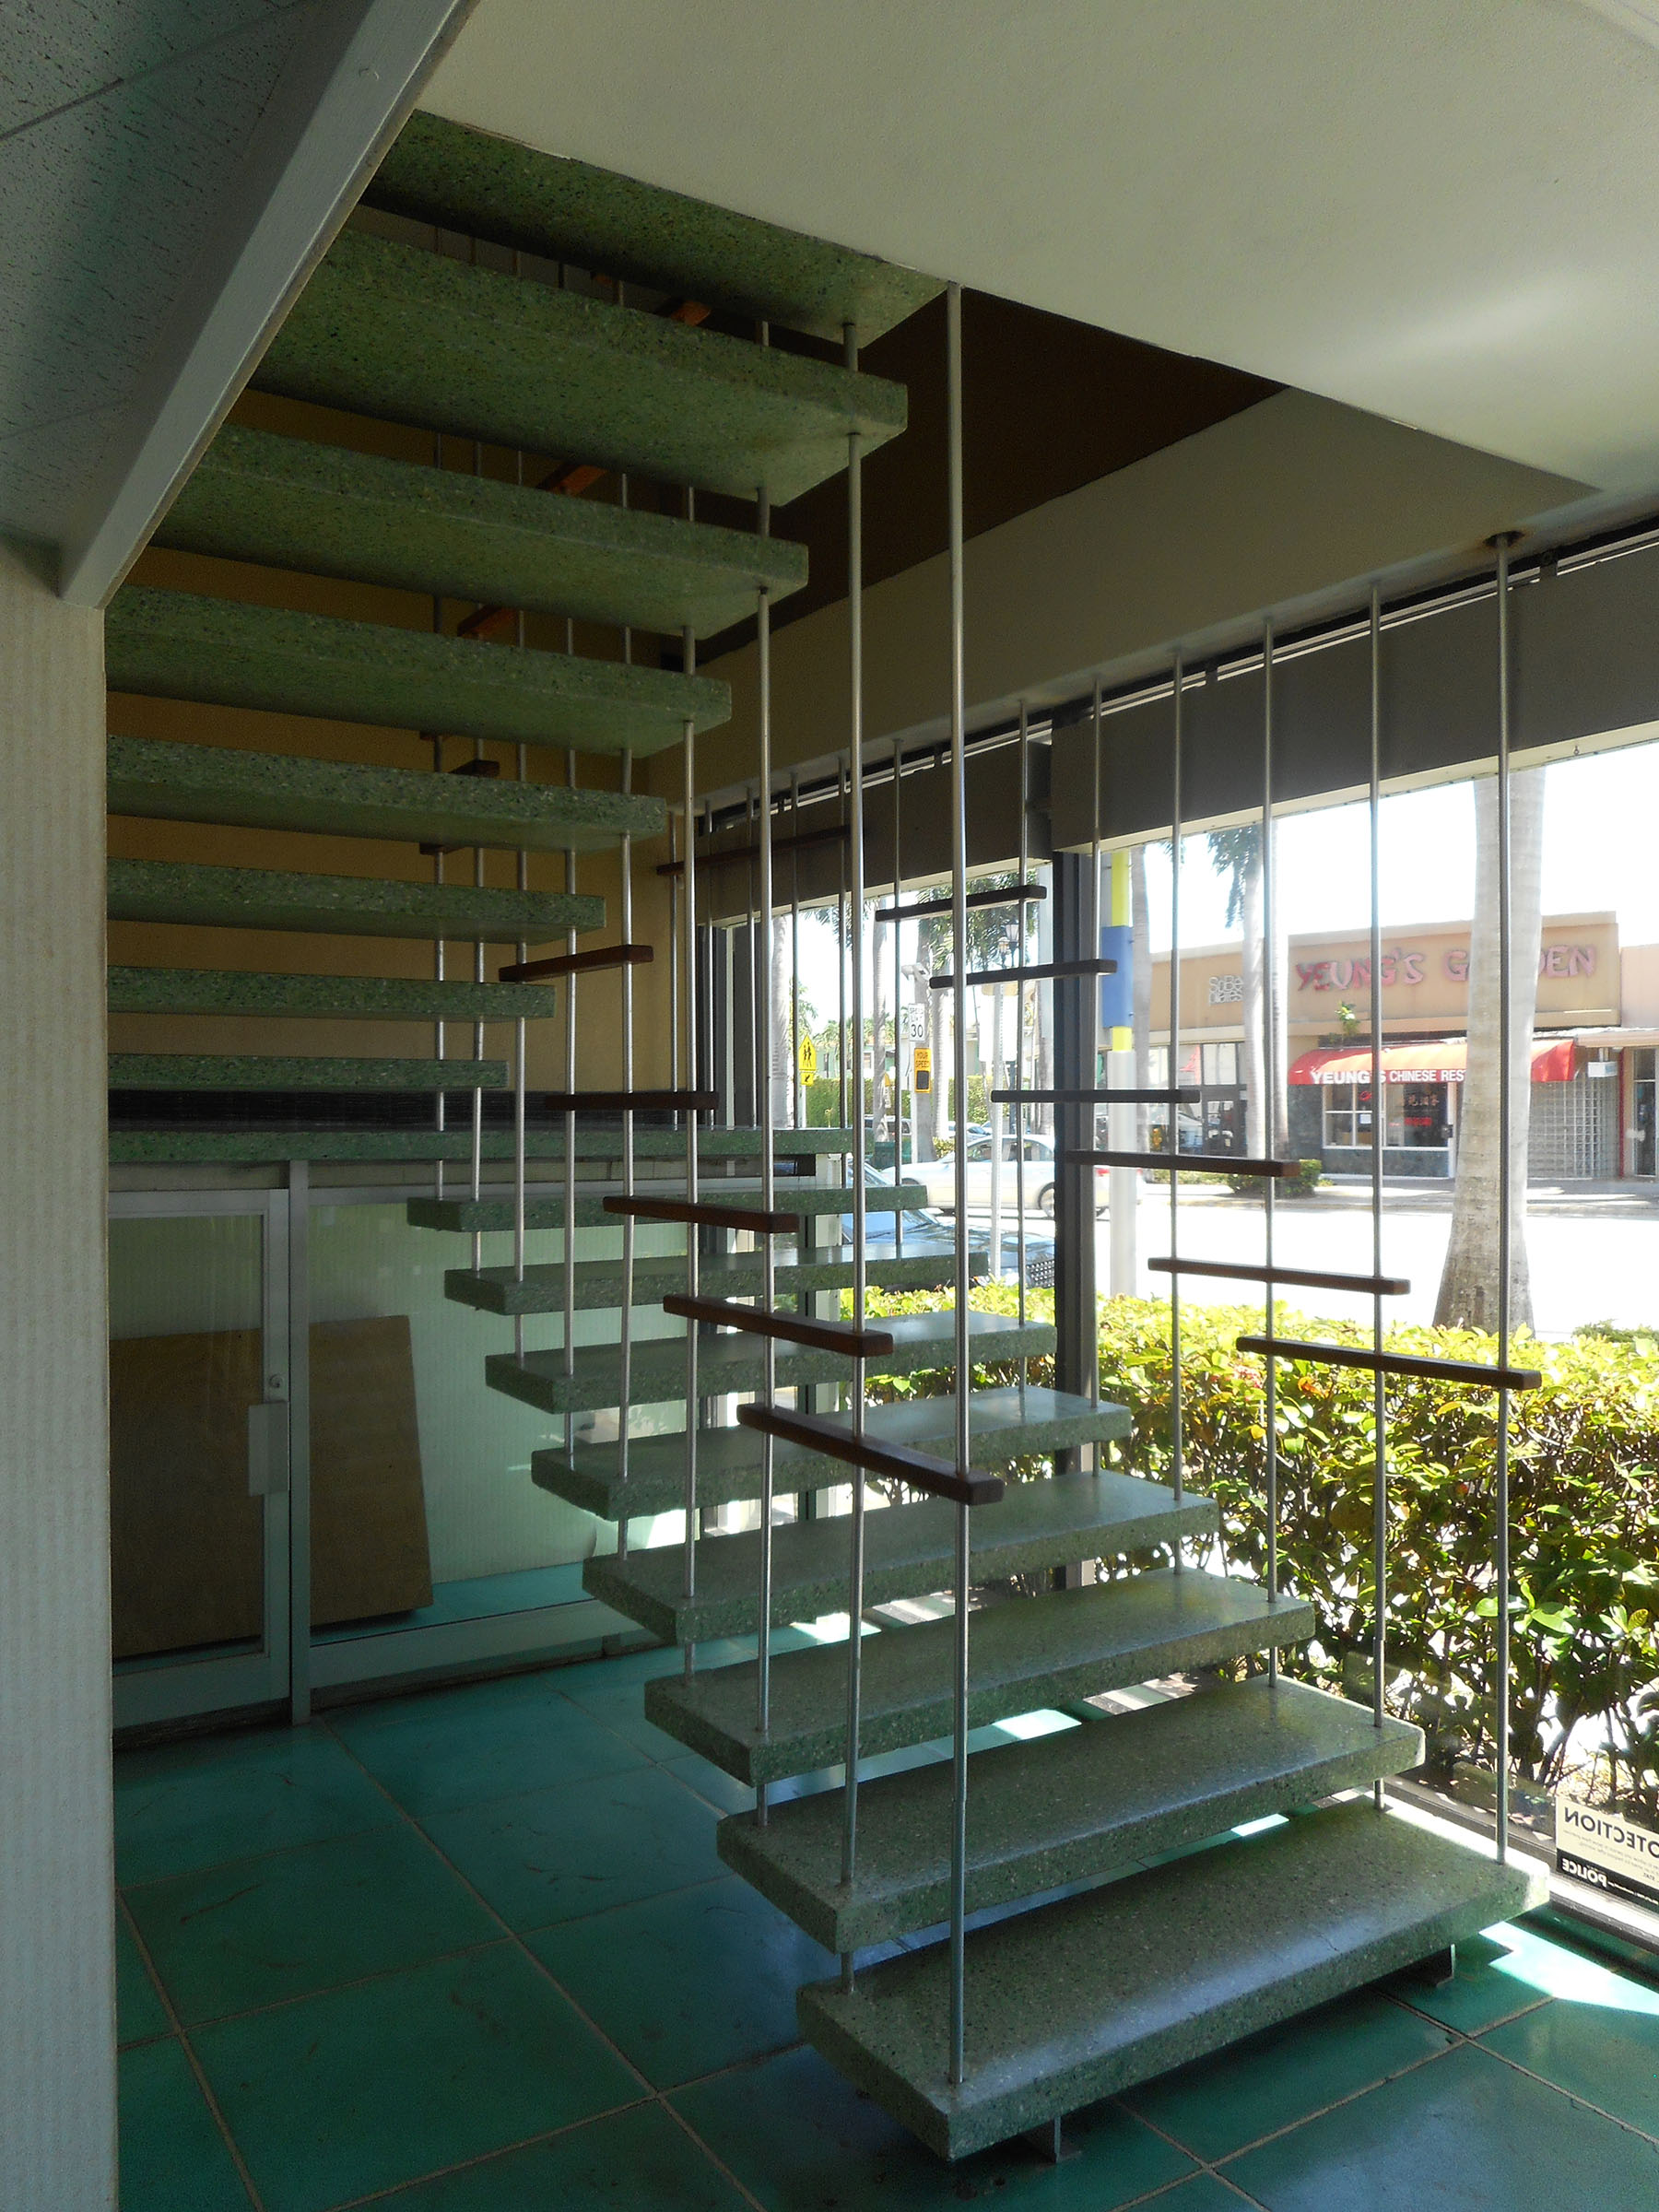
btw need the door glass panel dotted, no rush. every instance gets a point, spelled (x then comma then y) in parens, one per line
(186, 1364)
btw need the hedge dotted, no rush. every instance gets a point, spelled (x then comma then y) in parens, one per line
(1584, 1515)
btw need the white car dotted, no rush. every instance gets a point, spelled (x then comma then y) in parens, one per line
(1037, 1173)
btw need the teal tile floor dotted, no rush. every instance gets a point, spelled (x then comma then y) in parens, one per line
(473, 1951)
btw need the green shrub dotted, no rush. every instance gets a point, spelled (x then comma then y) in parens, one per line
(1583, 1518)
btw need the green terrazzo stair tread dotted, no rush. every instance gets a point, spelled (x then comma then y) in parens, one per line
(139, 1146)
(342, 906)
(1020, 1421)
(335, 798)
(246, 992)
(1073, 1806)
(545, 1209)
(465, 180)
(598, 1283)
(909, 1550)
(1028, 1652)
(273, 1071)
(1081, 1999)
(411, 337)
(736, 1361)
(326, 511)
(232, 652)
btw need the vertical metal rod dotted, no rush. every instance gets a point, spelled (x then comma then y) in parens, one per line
(1378, 1139)
(841, 962)
(437, 742)
(1270, 1119)
(1172, 1111)
(1021, 912)
(964, 1365)
(898, 1011)
(855, 899)
(1505, 1201)
(674, 957)
(520, 1050)
(754, 1001)
(478, 1098)
(568, 1237)
(1088, 993)
(768, 1162)
(625, 1383)
(690, 909)
(796, 1087)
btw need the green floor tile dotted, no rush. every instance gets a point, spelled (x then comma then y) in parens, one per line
(468, 1748)
(293, 1921)
(1498, 1974)
(1268, 2081)
(689, 1982)
(618, 1706)
(362, 2089)
(1602, 2046)
(801, 2140)
(198, 1805)
(139, 2013)
(1465, 2131)
(635, 2162)
(173, 2158)
(710, 1783)
(1203, 2192)
(556, 1855)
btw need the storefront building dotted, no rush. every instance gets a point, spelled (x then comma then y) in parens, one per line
(1595, 1032)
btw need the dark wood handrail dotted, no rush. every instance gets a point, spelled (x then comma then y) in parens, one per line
(1396, 1363)
(788, 1328)
(899, 1462)
(576, 963)
(1022, 894)
(797, 843)
(1304, 1279)
(701, 1214)
(620, 1101)
(1206, 1163)
(1046, 971)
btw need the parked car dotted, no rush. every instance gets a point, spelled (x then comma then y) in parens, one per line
(1038, 1173)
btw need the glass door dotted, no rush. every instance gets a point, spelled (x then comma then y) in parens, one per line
(198, 1452)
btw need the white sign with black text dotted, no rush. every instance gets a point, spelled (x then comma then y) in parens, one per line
(1606, 1849)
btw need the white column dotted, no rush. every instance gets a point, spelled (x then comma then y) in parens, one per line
(57, 1977)
(1123, 1184)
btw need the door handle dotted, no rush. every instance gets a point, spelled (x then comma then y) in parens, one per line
(268, 1450)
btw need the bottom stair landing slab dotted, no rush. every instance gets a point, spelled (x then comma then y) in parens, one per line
(1080, 1999)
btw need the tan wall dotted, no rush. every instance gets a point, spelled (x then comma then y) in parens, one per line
(1639, 986)
(57, 1977)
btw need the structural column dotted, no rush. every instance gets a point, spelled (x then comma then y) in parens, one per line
(1077, 1353)
(57, 1979)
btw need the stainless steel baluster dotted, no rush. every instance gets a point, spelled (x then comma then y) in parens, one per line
(768, 1163)
(855, 1571)
(1021, 959)
(1505, 1196)
(1270, 1118)
(1177, 1454)
(898, 1012)
(1379, 1138)
(625, 1385)
(689, 657)
(796, 1087)
(569, 1261)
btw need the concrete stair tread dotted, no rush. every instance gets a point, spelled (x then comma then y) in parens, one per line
(328, 512)
(1083, 1997)
(1019, 1421)
(275, 1071)
(598, 1283)
(347, 906)
(442, 172)
(232, 652)
(730, 1362)
(414, 336)
(1072, 1806)
(292, 1142)
(336, 798)
(546, 1210)
(909, 1552)
(248, 992)
(1023, 1654)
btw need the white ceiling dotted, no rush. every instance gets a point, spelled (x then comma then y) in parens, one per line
(1442, 211)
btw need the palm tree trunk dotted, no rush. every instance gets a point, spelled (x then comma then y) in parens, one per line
(1468, 1289)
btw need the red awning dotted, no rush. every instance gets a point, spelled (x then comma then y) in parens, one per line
(1552, 1062)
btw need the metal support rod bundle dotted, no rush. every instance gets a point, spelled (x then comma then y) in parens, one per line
(964, 1364)
(1270, 1118)
(841, 963)
(1120, 1180)
(1177, 1462)
(1379, 1138)
(625, 1385)
(692, 1285)
(854, 904)
(768, 1163)
(1505, 1201)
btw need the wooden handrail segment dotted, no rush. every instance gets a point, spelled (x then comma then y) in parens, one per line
(1022, 894)
(1205, 1163)
(576, 963)
(899, 1463)
(788, 1328)
(1047, 971)
(1303, 1278)
(1396, 1363)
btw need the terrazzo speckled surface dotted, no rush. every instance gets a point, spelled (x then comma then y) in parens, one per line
(1017, 1422)
(909, 1550)
(733, 1361)
(1080, 1998)
(1032, 1651)
(344, 906)
(273, 1071)
(418, 337)
(231, 653)
(275, 791)
(230, 1146)
(345, 997)
(598, 1283)
(810, 1199)
(1065, 1807)
(326, 512)
(438, 171)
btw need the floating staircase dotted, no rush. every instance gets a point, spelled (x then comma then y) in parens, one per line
(1180, 1935)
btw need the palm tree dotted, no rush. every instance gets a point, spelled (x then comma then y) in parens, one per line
(1469, 1289)
(1236, 854)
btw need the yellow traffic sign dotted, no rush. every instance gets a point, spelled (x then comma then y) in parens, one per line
(808, 1060)
(922, 1066)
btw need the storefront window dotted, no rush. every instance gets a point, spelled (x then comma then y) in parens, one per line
(1414, 1115)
